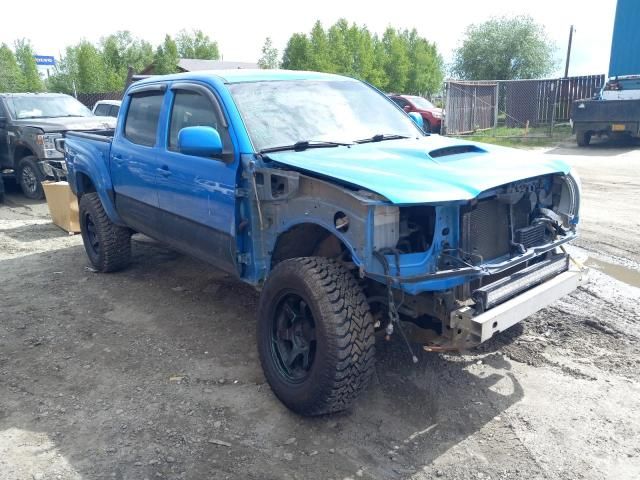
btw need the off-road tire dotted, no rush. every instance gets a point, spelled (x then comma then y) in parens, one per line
(30, 178)
(114, 242)
(583, 138)
(344, 335)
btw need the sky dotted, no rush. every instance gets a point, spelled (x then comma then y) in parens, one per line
(241, 26)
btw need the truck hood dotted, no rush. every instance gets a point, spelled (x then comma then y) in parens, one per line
(65, 124)
(432, 169)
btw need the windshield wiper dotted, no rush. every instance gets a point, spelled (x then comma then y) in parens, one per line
(381, 137)
(304, 145)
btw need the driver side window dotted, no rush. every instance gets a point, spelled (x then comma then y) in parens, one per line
(192, 109)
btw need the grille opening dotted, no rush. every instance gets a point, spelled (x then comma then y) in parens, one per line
(486, 229)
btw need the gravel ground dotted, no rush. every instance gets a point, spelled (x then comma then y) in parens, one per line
(153, 372)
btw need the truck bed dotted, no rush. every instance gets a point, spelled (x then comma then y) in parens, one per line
(87, 150)
(99, 135)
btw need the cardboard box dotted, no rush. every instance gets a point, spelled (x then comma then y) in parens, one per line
(63, 205)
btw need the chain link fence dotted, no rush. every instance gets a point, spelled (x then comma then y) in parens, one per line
(514, 108)
(90, 99)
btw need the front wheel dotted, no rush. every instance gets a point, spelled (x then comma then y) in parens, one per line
(315, 335)
(108, 246)
(30, 178)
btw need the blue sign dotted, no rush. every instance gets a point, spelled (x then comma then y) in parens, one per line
(45, 60)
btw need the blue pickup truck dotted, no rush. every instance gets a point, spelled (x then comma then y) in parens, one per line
(327, 197)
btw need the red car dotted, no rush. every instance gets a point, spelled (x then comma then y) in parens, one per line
(431, 114)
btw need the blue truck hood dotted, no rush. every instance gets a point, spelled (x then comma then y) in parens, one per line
(432, 169)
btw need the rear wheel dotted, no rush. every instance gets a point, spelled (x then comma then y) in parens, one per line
(315, 335)
(30, 178)
(108, 246)
(583, 138)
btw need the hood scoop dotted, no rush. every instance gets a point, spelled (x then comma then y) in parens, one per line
(455, 150)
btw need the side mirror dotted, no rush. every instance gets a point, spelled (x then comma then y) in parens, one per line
(3, 122)
(200, 141)
(417, 118)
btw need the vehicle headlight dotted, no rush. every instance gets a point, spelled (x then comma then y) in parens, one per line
(47, 141)
(570, 193)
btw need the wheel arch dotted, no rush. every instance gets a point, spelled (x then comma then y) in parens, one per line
(309, 238)
(84, 184)
(21, 151)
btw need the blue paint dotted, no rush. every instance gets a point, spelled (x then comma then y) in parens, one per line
(199, 141)
(625, 44)
(197, 198)
(403, 171)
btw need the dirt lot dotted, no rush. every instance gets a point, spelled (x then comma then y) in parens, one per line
(153, 372)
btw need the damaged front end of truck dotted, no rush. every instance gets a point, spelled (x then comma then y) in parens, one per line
(464, 269)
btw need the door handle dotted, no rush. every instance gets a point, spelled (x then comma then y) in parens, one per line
(118, 159)
(164, 171)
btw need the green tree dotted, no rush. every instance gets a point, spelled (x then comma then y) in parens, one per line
(120, 51)
(27, 63)
(319, 49)
(297, 54)
(91, 76)
(396, 61)
(426, 71)
(65, 73)
(196, 45)
(11, 78)
(166, 57)
(504, 49)
(269, 58)
(400, 61)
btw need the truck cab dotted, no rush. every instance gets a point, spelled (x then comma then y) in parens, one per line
(327, 197)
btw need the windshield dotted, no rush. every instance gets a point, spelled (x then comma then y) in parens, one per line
(421, 103)
(280, 113)
(47, 107)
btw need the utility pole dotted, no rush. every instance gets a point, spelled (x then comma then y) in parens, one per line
(566, 68)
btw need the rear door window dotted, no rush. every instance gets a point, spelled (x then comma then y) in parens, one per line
(141, 124)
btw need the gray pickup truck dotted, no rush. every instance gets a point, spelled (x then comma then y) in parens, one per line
(29, 125)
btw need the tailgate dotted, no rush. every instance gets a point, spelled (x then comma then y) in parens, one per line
(606, 111)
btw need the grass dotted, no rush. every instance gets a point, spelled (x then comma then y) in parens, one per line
(520, 138)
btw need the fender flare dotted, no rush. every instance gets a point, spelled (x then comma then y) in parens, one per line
(101, 181)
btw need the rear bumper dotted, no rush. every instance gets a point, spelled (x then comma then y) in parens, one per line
(499, 318)
(625, 126)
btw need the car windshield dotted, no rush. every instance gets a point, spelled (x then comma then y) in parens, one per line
(47, 107)
(421, 103)
(282, 113)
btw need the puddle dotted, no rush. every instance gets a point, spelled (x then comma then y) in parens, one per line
(620, 273)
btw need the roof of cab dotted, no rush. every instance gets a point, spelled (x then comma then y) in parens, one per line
(240, 75)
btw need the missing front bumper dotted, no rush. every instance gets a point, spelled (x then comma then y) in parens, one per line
(468, 327)
(499, 318)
